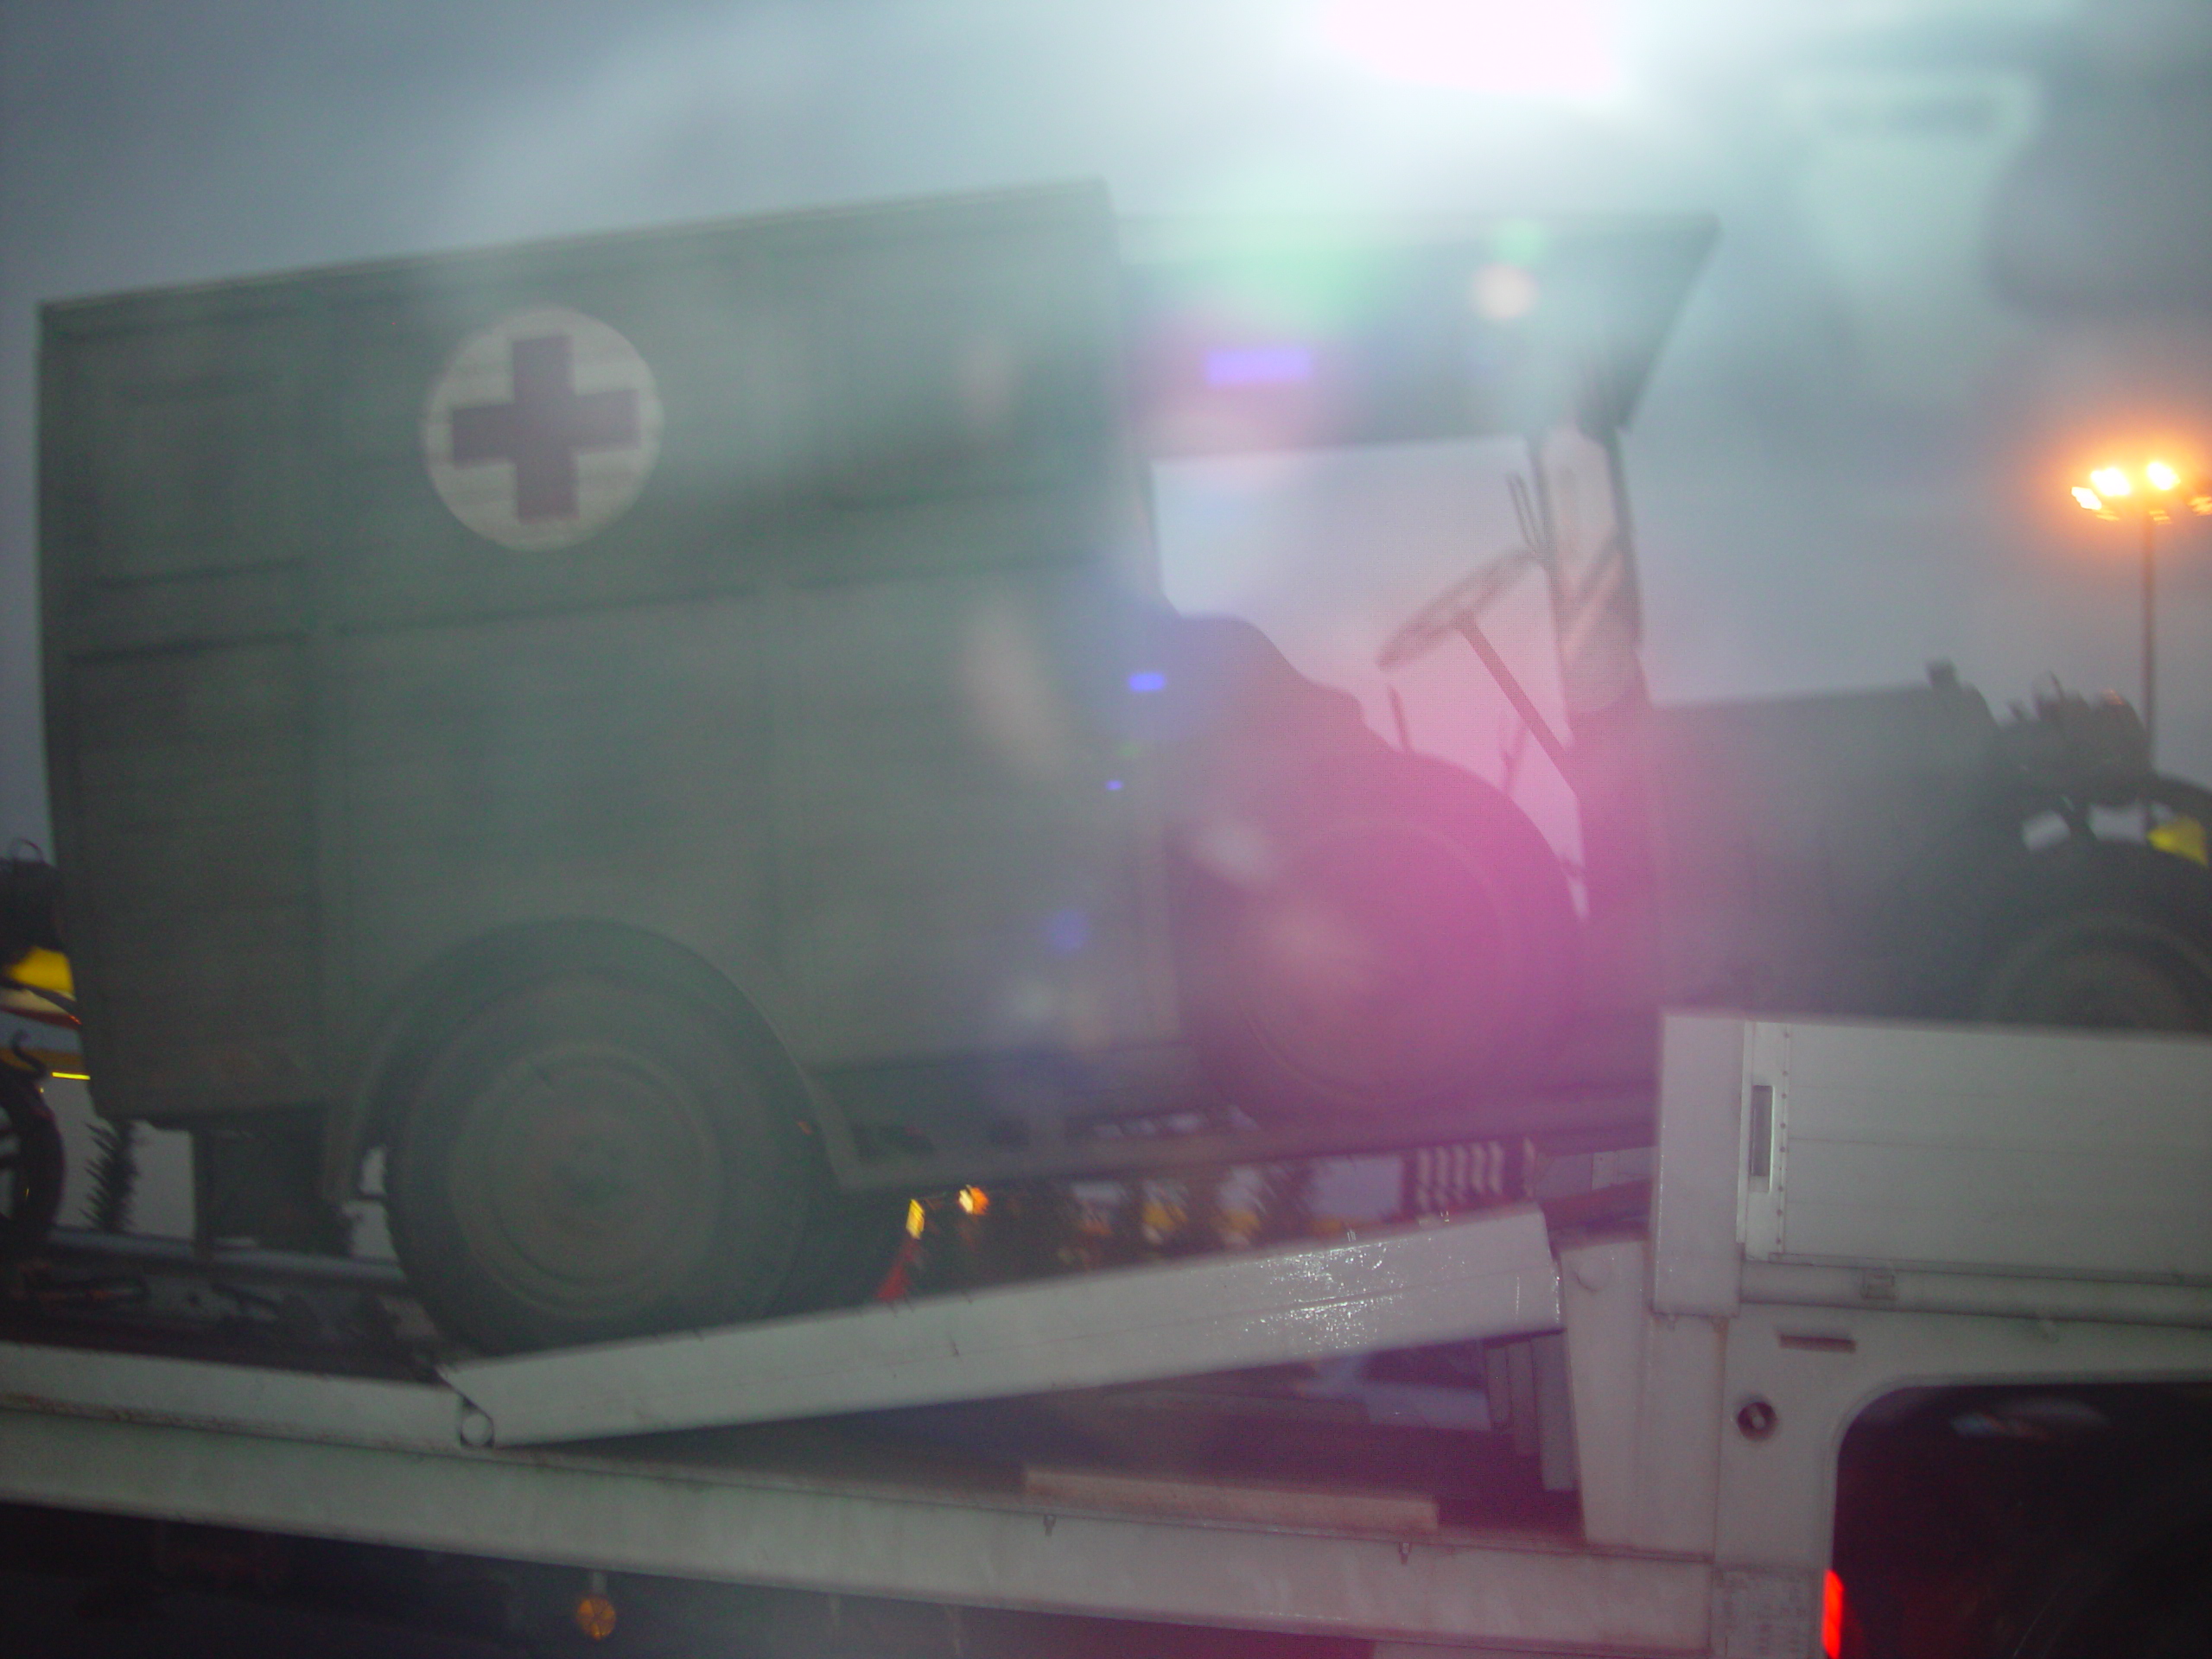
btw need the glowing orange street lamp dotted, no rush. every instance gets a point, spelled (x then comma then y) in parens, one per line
(2111, 494)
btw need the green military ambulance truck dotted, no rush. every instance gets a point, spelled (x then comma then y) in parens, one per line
(650, 733)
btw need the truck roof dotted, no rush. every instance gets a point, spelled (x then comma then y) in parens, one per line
(1403, 326)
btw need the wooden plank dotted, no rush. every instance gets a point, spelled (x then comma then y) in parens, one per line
(1253, 1503)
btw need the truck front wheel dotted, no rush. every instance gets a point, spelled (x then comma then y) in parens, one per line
(1407, 937)
(2112, 937)
(585, 1160)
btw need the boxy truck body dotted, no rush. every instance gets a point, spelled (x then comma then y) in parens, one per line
(714, 585)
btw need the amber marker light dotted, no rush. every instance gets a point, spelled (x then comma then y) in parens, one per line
(594, 1613)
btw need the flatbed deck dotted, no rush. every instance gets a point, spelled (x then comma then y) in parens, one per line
(1682, 1389)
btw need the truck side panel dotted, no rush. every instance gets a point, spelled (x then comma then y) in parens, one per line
(311, 731)
(180, 697)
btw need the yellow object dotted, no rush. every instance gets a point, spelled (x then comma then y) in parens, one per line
(44, 970)
(917, 1218)
(2183, 837)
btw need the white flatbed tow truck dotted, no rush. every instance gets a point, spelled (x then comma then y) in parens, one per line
(1844, 1216)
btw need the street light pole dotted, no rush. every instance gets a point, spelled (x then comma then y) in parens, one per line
(2150, 632)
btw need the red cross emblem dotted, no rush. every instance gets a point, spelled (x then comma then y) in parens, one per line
(542, 429)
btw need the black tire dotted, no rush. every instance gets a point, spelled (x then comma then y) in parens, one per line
(31, 1167)
(586, 1159)
(1412, 939)
(2105, 937)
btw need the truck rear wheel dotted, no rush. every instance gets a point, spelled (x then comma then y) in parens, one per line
(1408, 937)
(2111, 937)
(585, 1160)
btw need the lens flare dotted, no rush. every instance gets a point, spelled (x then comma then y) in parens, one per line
(1259, 365)
(1564, 49)
(2162, 476)
(2110, 481)
(1502, 292)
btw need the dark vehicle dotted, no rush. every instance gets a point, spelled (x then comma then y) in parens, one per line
(673, 737)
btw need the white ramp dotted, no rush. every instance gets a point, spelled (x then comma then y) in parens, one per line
(1491, 1276)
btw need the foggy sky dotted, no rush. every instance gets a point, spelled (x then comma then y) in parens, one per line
(1964, 252)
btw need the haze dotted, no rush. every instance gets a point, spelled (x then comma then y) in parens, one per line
(1965, 259)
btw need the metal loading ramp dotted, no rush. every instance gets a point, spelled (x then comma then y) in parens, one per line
(1493, 1276)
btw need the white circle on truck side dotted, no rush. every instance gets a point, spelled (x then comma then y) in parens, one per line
(542, 429)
